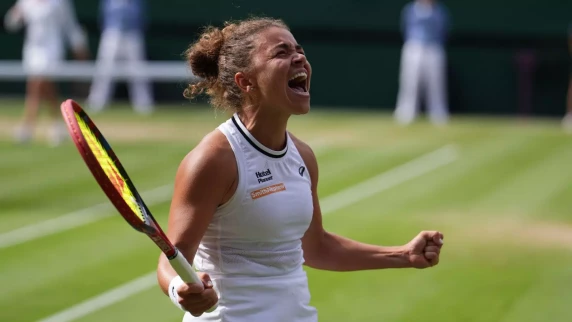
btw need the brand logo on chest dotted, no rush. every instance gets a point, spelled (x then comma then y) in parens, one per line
(264, 176)
(267, 190)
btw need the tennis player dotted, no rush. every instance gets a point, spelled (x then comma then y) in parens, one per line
(245, 207)
(50, 25)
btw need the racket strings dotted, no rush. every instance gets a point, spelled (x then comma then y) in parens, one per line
(109, 167)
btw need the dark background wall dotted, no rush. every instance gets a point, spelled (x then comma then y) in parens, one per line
(354, 47)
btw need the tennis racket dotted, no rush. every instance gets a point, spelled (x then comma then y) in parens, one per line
(113, 179)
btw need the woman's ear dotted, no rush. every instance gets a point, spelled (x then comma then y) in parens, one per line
(243, 82)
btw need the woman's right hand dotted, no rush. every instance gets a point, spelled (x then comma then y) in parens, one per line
(195, 299)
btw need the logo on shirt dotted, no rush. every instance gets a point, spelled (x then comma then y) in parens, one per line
(264, 176)
(267, 190)
(301, 170)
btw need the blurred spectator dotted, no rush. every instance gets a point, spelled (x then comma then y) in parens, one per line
(425, 25)
(123, 24)
(567, 122)
(48, 24)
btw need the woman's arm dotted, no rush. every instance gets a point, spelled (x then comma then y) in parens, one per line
(76, 35)
(205, 179)
(328, 251)
(14, 19)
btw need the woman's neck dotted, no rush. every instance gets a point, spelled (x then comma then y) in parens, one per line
(268, 127)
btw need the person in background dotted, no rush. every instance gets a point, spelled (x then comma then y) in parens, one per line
(425, 25)
(567, 121)
(123, 24)
(49, 23)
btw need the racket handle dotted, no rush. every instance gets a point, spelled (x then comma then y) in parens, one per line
(187, 272)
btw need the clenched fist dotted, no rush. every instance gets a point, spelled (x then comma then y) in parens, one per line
(423, 251)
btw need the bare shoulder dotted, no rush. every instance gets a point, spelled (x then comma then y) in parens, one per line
(304, 149)
(210, 163)
(212, 151)
(307, 155)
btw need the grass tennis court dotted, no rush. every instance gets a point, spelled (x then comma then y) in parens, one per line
(503, 201)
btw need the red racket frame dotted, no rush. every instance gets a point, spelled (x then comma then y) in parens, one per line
(151, 228)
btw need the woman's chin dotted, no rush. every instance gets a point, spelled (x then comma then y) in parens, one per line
(300, 109)
(299, 104)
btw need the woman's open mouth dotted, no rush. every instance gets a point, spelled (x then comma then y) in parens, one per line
(298, 82)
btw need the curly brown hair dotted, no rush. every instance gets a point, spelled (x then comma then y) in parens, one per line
(219, 54)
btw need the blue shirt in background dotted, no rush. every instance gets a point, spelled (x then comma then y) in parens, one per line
(123, 15)
(424, 23)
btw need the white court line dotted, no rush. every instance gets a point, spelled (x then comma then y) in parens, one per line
(391, 178)
(337, 201)
(106, 299)
(76, 219)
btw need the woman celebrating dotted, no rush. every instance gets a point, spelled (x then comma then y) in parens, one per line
(245, 207)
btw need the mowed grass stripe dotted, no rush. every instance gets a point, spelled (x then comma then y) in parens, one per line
(559, 204)
(73, 265)
(71, 169)
(399, 199)
(76, 219)
(391, 178)
(358, 171)
(106, 299)
(26, 156)
(331, 204)
(550, 175)
(69, 160)
(547, 299)
(358, 163)
(480, 167)
(133, 309)
(57, 197)
(491, 291)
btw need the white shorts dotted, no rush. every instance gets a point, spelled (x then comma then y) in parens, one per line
(41, 61)
(265, 299)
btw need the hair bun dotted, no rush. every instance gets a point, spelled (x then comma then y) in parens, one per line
(203, 56)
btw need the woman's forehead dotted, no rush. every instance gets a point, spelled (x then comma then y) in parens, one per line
(276, 37)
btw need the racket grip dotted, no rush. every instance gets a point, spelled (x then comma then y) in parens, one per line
(184, 269)
(187, 272)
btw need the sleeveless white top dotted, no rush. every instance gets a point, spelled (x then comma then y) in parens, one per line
(252, 248)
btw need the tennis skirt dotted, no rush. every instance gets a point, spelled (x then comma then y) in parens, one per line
(264, 299)
(41, 60)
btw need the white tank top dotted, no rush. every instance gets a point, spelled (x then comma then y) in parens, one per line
(258, 232)
(252, 248)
